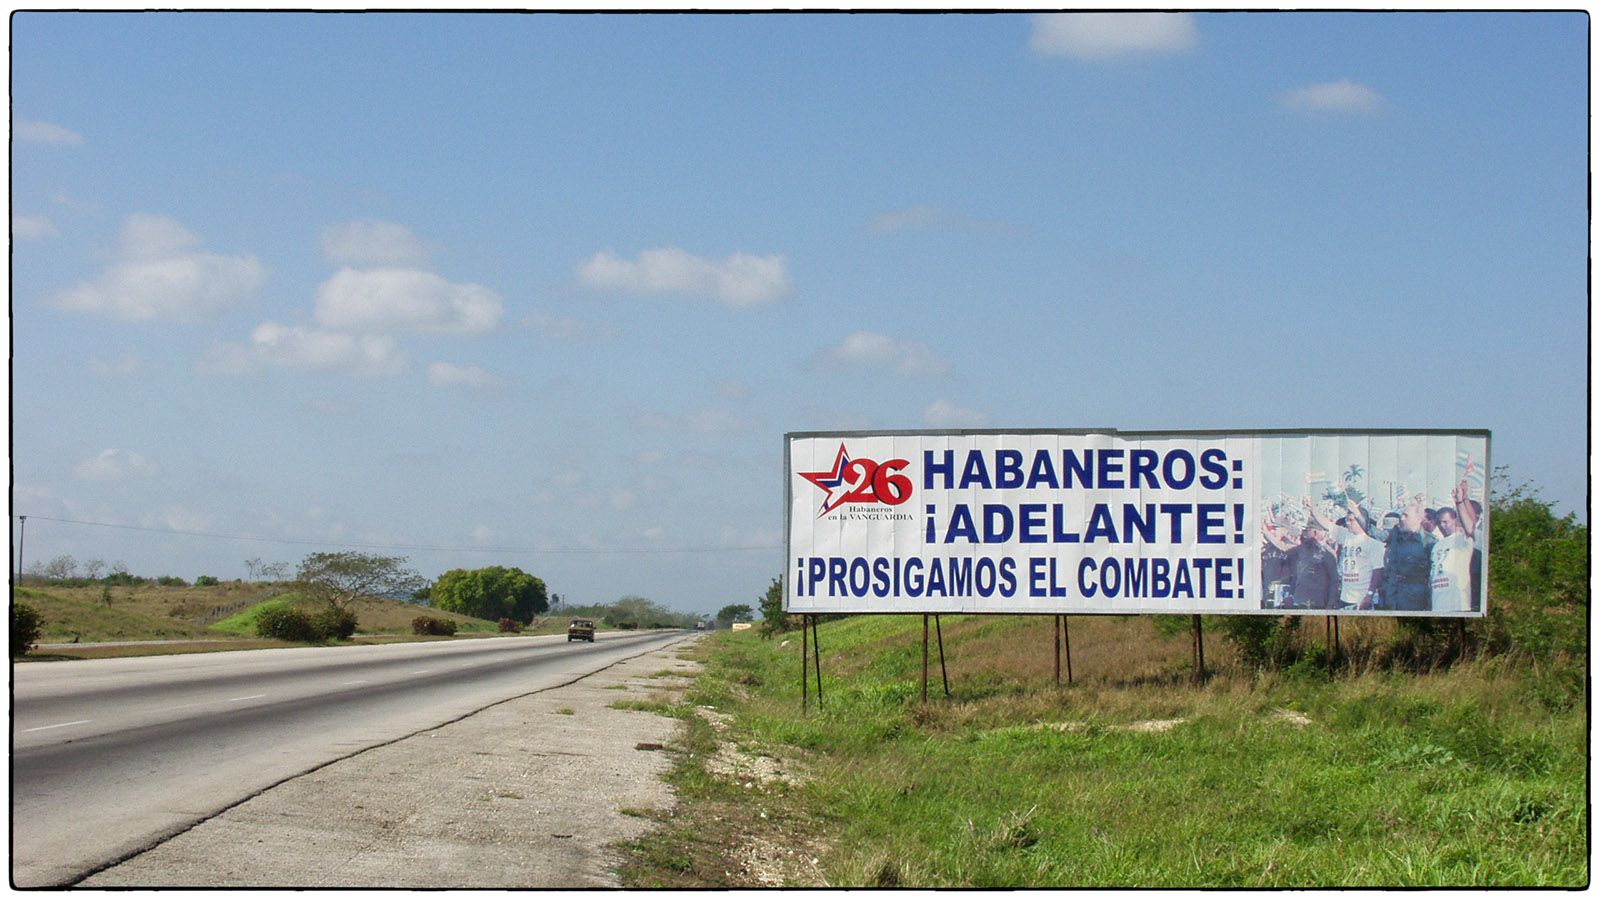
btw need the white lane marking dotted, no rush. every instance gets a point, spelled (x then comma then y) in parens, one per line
(348, 683)
(422, 671)
(58, 725)
(238, 699)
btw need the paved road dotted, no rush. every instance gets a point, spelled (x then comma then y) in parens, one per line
(109, 757)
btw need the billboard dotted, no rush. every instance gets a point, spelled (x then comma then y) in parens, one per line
(1044, 521)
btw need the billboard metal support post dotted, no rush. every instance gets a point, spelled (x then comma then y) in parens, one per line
(924, 657)
(943, 673)
(816, 647)
(1199, 645)
(805, 660)
(1056, 621)
(809, 644)
(1066, 641)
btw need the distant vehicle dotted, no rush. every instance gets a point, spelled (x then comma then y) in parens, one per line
(699, 626)
(580, 630)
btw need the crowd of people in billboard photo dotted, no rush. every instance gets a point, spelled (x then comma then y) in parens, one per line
(1334, 552)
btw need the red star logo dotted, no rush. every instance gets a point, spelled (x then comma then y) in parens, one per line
(832, 482)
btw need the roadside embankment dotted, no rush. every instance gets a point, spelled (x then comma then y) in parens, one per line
(1469, 775)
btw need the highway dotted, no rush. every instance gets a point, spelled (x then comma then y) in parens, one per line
(110, 757)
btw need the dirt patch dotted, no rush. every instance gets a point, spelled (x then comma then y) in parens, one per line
(1147, 726)
(748, 767)
(1290, 717)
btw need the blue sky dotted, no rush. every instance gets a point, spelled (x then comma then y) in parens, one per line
(548, 290)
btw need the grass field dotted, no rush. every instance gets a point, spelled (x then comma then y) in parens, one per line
(1130, 777)
(215, 617)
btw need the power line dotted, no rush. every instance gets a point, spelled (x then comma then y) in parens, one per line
(411, 547)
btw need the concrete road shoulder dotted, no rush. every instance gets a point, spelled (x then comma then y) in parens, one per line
(529, 793)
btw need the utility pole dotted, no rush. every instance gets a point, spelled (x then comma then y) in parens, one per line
(22, 535)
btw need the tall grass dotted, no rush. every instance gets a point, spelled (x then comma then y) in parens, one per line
(1283, 780)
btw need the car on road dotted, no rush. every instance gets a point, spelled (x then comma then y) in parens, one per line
(580, 630)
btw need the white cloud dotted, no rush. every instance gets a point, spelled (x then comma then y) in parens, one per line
(32, 227)
(867, 348)
(369, 242)
(445, 374)
(382, 300)
(1343, 95)
(120, 367)
(1104, 36)
(149, 238)
(160, 275)
(34, 132)
(944, 414)
(298, 347)
(114, 465)
(739, 281)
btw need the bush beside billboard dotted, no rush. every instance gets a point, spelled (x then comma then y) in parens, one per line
(1305, 522)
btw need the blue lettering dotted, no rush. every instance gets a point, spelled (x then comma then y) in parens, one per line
(1143, 463)
(1100, 525)
(1132, 522)
(961, 525)
(1160, 584)
(961, 576)
(1072, 466)
(1211, 517)
(1008, 469)
(1214, 462)
(914, 577)
(860, 577)
(930, 468)
(1174, 481)
(1182, 586)
(976, 473)
(1136, 571)
(1110, 468)
(1085, 587)
(1177, 512)
(1032, 518)
(1043, 471)
(997, 523)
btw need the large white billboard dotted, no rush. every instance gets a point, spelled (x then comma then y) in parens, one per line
(1304, 522)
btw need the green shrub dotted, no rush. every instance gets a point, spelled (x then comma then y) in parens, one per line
(26, 624)
(206, 581)
(430, 625)
(1539, 578)
(336, 623)
(287, 624)
(1262, 642)
(171, 581)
